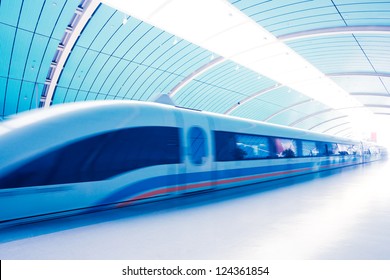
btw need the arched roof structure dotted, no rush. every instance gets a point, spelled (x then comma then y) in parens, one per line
(57, 51)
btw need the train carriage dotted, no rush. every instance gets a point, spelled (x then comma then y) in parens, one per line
(86, 156)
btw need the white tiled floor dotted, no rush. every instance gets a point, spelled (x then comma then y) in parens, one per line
(343, 216)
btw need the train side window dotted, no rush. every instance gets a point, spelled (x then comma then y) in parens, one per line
(197, 145)
(235, 146)
(286, 148)
(253, 146)
(333, 149)
(345, 149)
(322, 148)
(309, 149)
(225, 146)
(99, 157)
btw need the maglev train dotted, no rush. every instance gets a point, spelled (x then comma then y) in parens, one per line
(81, 157)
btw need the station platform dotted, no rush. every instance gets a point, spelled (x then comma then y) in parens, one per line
(336, 215)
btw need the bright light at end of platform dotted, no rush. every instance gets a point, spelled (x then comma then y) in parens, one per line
(371, 127)
(380, 126)
(221, 28)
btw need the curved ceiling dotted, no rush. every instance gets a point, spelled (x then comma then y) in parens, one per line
(59, 51)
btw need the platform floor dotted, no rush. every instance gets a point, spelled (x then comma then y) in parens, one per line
(342, 216)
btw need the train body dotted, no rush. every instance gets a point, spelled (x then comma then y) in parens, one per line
(85, 156)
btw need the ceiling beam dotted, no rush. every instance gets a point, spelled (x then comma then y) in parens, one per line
(71, 34)
(329, 120)
(377, 106)
(370, 29)
(196, 74)
(294, 123)
(365, 74)
(336, 126)
(251, 97)
(370, 94)
(287, 108)
(348, 135)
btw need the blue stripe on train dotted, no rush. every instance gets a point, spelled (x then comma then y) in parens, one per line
(154, 183)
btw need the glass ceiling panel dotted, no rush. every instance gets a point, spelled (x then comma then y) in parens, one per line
(386, 83)
(282, 17)
(3, 83)
(228, 81)
(297, 112)
(285, 118)
(256, 109)
(30, 14)
(333, 54)
(10, 11)
(206, 97)
(19, 61)
(7, 38)
(374, 100)
(28, 42)
(34, 60)
(317, 119)
(283, 97)
(12, 101)
(355, 84)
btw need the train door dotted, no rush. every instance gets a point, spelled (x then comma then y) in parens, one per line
(198, 162)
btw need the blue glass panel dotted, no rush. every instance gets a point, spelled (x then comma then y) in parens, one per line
(138, 43)
(286, 118)
(130, 37)
(124, 81)
(90, 96)
(7, 35)
(10, 10)
(65, 17)
(119, 34)
(135, 81)
(27, 97)
(73, 73)
(256, 109)
(30, 14)
(3, 84)
(19, 55)
(59, 95)
(104, 72)
(107, 30)
(48, 57)
(162, 84)
(165, 43)
(101, 96)
(90, 68)
(171, 82)
(51, 13)
(12, 99)
(152, 40)
(37, 93)
(81, 95)
(112, 83)
(35, 57)
(94, 26)
(71, 95)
